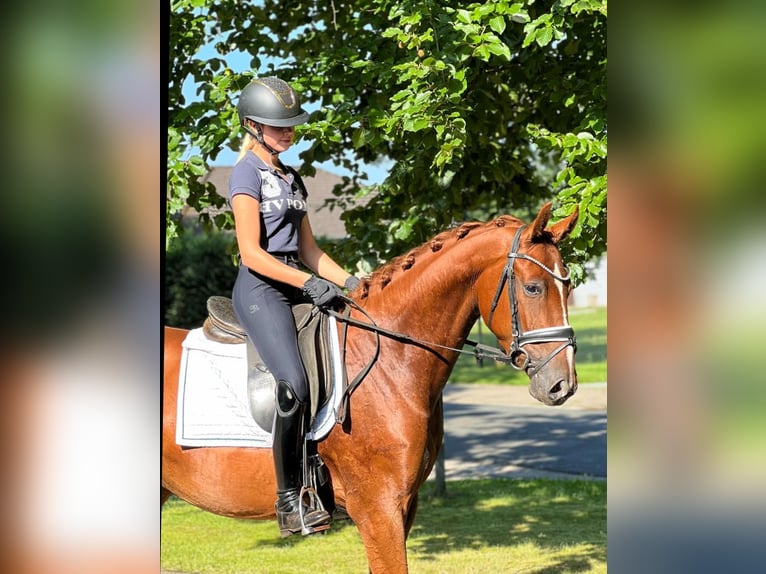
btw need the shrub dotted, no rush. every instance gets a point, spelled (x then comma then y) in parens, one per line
(196, 267)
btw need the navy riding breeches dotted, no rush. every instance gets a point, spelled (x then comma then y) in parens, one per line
(263, 307)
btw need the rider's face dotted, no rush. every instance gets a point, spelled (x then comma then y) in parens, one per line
(278, 138)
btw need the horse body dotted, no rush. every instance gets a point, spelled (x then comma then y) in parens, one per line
(382, 455)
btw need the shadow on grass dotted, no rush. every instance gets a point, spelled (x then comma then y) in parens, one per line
(507, 513)
(547, 526)
(570, 565)
(338, 528)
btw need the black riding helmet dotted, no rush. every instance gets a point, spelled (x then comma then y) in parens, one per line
(272, 102)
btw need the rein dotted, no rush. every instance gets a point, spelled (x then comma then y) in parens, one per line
(517, 357)
(480, 351)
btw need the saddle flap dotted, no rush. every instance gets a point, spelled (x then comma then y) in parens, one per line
(315, 351)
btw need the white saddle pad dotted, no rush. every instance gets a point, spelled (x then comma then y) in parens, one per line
(213, 408)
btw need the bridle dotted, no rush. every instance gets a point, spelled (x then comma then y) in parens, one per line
(518, 357)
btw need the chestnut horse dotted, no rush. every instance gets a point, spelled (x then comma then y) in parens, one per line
(378, 462)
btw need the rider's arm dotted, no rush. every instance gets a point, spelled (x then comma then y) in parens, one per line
(316, 259)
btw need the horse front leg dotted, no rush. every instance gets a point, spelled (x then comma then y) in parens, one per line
(410, 517)
(382, 525)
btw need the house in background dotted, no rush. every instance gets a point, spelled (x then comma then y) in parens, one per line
(592, 293)
(327, 224)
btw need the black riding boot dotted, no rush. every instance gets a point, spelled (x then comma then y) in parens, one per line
(287, 450)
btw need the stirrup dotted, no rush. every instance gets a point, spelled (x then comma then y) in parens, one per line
(315, 504)
(309, 487)
(294, 522)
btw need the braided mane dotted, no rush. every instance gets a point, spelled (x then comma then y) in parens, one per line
(446, 239)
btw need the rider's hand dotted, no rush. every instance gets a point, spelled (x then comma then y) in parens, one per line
(351, 283)
(322, 292)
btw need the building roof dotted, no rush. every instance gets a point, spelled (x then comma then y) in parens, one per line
(324, 222)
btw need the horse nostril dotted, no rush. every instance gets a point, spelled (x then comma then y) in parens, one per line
(557, 388)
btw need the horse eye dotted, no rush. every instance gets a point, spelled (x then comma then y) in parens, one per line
(533, 289)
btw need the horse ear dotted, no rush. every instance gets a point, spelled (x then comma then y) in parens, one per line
(561, 229)
(538, 225)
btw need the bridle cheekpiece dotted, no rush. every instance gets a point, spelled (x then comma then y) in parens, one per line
(518, 357)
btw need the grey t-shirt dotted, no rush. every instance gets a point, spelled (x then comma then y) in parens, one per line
(283, 204)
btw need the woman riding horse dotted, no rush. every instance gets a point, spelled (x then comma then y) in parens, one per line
(508, 273)
(274, 235)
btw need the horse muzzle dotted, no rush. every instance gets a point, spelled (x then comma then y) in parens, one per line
(553, 378)
(561, 391)
(553, 391)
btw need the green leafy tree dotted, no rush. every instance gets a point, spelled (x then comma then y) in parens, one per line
(488, 108)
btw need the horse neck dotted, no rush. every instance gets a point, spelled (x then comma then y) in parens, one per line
(431, 296)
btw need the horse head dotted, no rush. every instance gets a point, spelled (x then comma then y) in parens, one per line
(522, 298)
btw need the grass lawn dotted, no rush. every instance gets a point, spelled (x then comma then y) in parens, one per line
(496, 525)
(590, 329)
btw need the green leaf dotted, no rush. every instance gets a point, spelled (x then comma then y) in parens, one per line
(415, 124)
(497, 24)
(500, 50)
(531, 34)
(391, 33)
(450, 122)
(544, 36)
(482, 52)
(357, 138)
(464, 16)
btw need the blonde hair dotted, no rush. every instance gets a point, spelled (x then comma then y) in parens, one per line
(248, 144)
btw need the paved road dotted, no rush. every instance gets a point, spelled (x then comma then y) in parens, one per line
(495, 431)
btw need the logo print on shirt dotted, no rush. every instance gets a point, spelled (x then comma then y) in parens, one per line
(269, 185)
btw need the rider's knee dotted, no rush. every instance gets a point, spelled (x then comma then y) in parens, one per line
(288, 401)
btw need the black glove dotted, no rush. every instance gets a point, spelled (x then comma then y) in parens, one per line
(322, 292)
(351, 283)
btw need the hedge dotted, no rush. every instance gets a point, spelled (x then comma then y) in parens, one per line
(196, 267)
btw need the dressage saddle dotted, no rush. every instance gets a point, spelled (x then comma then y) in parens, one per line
(223, 326)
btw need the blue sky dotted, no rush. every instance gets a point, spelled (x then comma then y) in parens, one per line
(239, 62)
